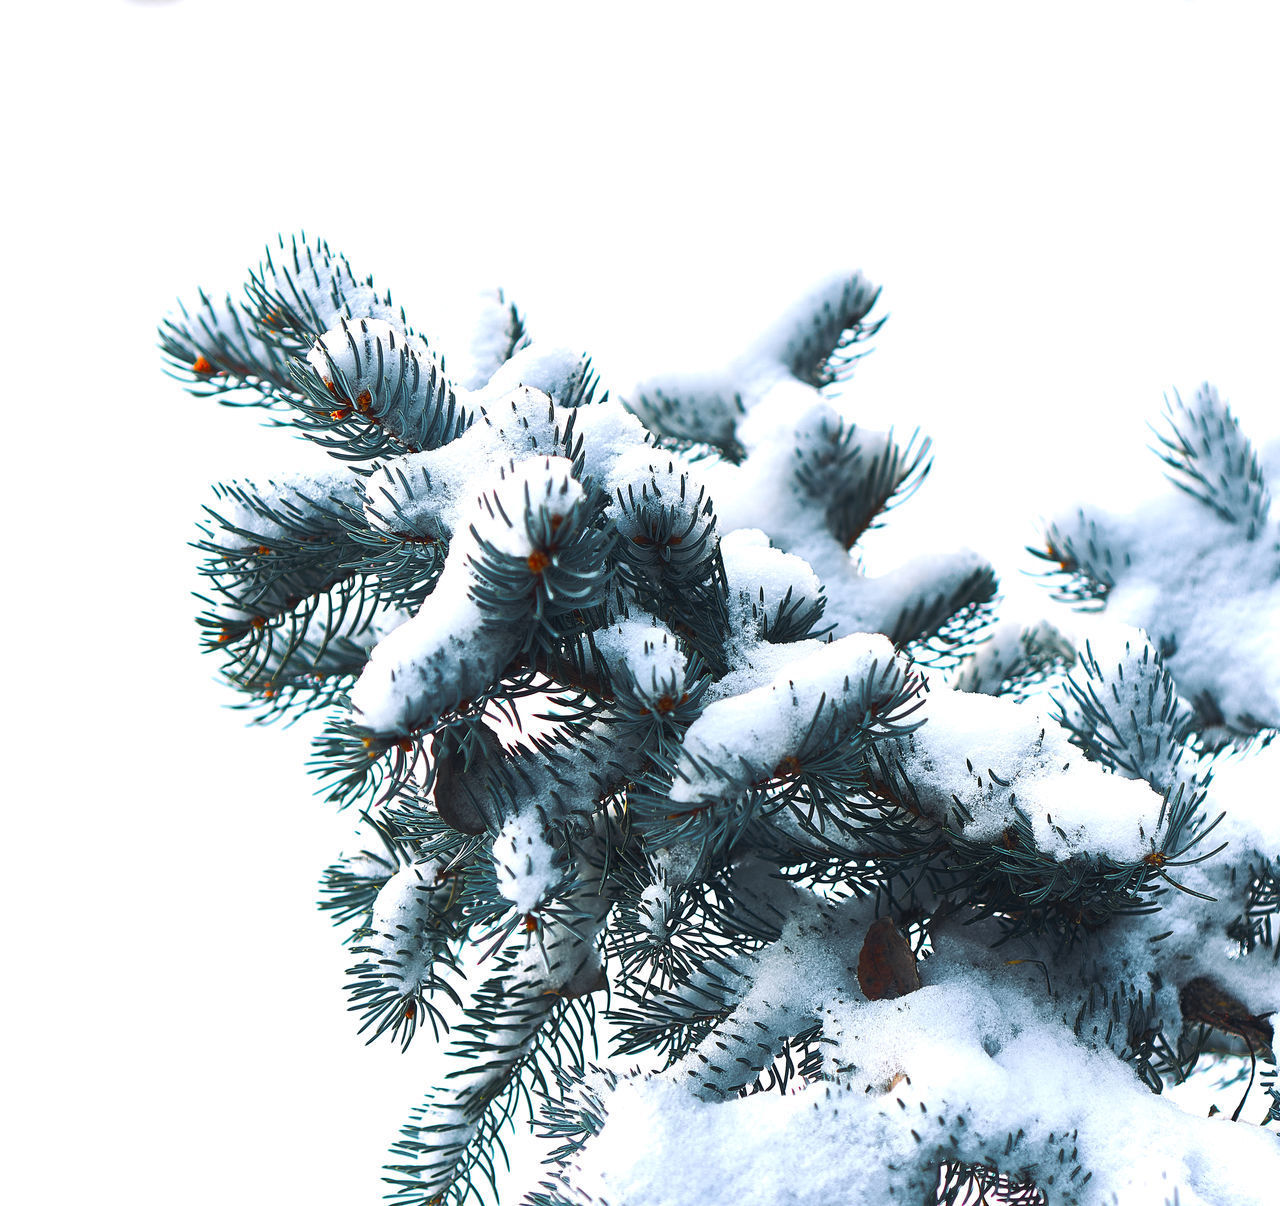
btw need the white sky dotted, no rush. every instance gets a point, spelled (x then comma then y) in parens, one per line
(1072, 208)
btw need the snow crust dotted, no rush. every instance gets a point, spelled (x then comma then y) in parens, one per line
(525, 488)
(403, 924)
(423, 657)
(524, 862)
(371, 354)
(451, 649)
(741, 738)
(542, 367)
(996, 757)
(761, 577)
(647, 650)
(752, 565)
(405, 897)
(655, 907)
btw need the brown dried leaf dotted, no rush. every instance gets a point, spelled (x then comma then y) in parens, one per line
(453, 793)
(886, 966)
(1204, 1001)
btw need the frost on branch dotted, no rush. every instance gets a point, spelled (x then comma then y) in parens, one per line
(621, 710)
(983, 764)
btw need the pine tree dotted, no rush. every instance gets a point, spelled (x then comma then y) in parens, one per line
(629, 729)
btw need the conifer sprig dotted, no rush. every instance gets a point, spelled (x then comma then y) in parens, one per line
(1210, 458)
(624, 716)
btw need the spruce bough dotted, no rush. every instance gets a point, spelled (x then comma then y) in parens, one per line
(630, 732)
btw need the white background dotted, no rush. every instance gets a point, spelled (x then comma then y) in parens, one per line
(1072, 208)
